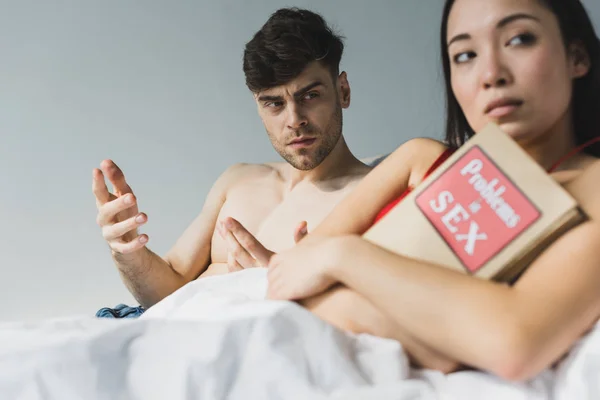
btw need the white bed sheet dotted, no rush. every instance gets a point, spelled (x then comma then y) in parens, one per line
(217, 338)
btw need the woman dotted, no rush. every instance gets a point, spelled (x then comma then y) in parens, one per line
(531, 67)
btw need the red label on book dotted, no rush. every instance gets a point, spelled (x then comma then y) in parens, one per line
(476, 208)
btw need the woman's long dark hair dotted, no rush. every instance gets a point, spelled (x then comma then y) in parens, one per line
(575, 26)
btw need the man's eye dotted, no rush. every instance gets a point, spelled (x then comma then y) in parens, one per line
(274, 104)
(311, 95)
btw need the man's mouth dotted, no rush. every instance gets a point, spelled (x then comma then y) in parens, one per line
(302, 142)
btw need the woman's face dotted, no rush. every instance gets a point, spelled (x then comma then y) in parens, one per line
(509, 65)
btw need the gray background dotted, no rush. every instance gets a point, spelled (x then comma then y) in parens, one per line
(158, 87)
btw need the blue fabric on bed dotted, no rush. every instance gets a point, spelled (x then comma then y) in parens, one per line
(120, 311)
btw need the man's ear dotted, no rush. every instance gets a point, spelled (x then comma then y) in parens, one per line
(579, 60)
(344, 90)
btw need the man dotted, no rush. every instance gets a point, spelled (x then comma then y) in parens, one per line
(292, 68)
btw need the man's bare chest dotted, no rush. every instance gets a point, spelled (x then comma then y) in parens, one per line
(272, 217)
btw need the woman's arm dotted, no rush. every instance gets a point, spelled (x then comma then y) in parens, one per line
(405, 166)
(347, 310)
(514, 332)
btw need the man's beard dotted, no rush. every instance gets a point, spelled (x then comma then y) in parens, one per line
(327, 142)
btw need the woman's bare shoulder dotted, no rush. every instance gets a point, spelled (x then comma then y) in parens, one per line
(421, 144)
(418, 150)
(419, 154)
(585, 188)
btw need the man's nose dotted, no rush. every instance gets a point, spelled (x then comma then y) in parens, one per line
(296, 117)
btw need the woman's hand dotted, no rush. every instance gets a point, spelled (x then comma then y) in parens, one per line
(305, 270)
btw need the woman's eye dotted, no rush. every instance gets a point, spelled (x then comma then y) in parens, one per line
(524, 39)
(463, 57)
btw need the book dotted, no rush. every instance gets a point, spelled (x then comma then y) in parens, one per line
(488, 211)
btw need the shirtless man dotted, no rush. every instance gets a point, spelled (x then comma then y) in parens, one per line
(292, 68)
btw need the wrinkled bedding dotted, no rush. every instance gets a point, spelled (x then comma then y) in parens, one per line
(217, 338)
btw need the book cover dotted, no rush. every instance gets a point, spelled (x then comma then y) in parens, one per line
(487, 211)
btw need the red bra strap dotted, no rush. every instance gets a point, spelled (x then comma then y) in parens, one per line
(572, 153)
(439, 161)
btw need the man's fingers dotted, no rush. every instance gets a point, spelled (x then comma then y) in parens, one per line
(118, 230)
(129, 247)
(116, 177)
(232, 247)
(232, 264)
(99, 187)
(108, 211)
(240, 254)
(248, 241)
(301, 231)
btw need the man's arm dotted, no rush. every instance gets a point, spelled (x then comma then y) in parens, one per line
(190, 256)
(149, 277)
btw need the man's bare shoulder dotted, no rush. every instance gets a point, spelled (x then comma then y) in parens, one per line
(246, 170)
(241, 175)
(246, 173)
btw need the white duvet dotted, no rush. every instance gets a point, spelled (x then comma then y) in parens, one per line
(217, 338)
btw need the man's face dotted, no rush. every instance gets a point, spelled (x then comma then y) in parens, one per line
(304, 117)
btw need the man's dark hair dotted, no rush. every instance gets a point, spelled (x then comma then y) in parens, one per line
(291, 39)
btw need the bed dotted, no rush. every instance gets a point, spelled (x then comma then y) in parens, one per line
(218, 338)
